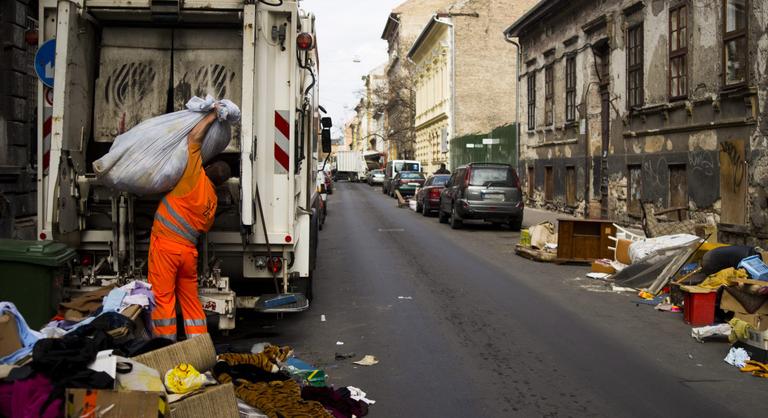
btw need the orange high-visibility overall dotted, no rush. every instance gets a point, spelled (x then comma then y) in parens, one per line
(183, 214)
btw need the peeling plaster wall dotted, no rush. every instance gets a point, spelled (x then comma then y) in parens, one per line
(693, 132)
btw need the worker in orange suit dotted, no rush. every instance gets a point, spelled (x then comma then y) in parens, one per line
(184, 213)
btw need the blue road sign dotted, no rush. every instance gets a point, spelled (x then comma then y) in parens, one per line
(44, 65)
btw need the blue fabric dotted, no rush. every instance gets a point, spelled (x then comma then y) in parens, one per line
(113, 300)
(27, 336)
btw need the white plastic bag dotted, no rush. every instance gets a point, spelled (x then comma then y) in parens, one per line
(151, 157)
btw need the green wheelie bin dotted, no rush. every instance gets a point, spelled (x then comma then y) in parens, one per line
(32, 274)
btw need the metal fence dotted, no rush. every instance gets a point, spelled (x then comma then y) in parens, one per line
(497, 146)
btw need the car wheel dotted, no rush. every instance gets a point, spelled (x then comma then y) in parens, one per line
(425, 209)
(419, 207)
(383, 190)
(516, 224)
(454, 219)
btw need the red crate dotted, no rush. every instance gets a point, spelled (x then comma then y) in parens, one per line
(699, 308)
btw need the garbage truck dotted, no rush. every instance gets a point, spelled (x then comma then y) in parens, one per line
(118, 63)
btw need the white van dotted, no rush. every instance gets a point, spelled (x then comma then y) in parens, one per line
(394, 167)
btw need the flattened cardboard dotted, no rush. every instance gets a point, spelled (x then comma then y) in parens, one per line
(115, 404)
(214, 402)
(758, 322)
(198, 351)
(9, 335)
(729, 304)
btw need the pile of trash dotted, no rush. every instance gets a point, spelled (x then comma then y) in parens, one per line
(538, 242)
(98, 355)
(721, 291)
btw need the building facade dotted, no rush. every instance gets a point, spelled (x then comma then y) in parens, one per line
(629, 103)
(18, 121)
(403, 26)
(465, 84)
(432, 83)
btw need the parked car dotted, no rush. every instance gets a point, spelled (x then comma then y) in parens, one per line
(486, 191)
(407, 182)
(375, 177)
(392, 168)
(428, 197)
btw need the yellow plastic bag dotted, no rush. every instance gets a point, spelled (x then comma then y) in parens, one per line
(183, 379)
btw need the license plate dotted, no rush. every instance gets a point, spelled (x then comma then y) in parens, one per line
(493, 197)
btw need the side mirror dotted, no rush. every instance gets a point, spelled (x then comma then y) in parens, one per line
(326, 122)
(325, 136)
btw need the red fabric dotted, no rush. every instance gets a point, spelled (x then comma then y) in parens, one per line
(25, 398)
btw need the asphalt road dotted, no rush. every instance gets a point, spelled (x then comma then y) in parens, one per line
(464, 328)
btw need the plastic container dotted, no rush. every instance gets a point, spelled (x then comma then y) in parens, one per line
(33, 273)
(699, 308)
(755, 266)
(758, 339)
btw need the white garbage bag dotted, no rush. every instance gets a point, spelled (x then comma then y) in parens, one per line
(151, 157)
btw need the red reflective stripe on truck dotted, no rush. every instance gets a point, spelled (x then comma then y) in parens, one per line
(282, 125)
(281, 157)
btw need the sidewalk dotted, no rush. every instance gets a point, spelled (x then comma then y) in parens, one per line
(535, 216)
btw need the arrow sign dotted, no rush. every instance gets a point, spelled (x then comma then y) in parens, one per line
(44, 62)
(49, 70)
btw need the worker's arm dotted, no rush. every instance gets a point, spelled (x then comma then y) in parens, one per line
(197, 134)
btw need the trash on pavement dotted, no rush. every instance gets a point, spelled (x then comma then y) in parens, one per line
(368, 360)
(113, 403)
(322, 318)
(756, 368)
(405, 297)
(344, 356)
(339, 342)
(358, 395)
(719, 331)
(598, 276)
(737, 357)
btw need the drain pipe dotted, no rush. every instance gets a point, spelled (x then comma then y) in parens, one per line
(453, 80)
(517, 100)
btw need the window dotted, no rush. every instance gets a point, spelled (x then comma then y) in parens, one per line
(635, 190)
(570, 186)
(532, 101)
(549, 95)
(635, 66)
(678, 191)
(570, 88)
(678, 52)
(531, 177)
(735, 41)
(549, 184)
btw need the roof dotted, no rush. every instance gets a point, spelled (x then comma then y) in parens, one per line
(536, 12)
(433, 20)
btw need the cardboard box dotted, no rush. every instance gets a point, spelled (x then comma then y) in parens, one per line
(9, 335)
(115, 404)
(758, 322)
(213, 402)
(198, 351)
(729, 304)
(600, 267)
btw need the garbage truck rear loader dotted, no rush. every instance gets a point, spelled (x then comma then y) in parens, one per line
(118, 63)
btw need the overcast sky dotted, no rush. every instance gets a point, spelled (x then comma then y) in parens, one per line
(348, 31)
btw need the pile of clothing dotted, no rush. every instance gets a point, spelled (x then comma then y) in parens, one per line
(279, 385)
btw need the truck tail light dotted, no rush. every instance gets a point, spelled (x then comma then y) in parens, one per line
(304, 41)
(467, 176)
